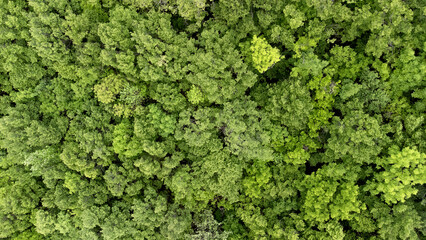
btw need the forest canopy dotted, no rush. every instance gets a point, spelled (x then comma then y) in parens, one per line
(212, 119)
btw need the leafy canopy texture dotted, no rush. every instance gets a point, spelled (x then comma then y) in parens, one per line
(212, 119)
(260, 54)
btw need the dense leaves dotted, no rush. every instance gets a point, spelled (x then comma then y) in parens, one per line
(212, 119)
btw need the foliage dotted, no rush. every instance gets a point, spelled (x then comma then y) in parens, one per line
(262, 55)
(402, 170)
(202, 119)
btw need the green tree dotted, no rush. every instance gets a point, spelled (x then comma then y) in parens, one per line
(403, 170)
(260, 54)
